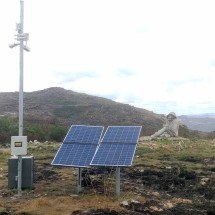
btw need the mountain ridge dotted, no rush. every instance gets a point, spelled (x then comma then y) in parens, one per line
(65, 107)
(200, 122)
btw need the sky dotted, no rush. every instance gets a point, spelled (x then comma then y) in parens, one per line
(154, 54)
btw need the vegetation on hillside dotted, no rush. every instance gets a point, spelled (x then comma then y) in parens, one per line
(57, 106)
(40, 132)
(8, 128)
(49, 113)
(52, 132)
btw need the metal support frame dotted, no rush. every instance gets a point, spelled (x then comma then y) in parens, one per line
(19, 182)
(117, 181)
(79, 180)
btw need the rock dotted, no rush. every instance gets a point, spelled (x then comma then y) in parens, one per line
(135, 205)
(155, 194)
(146, 138)
(204, 181)
(155, 208)
(168, 167)
(124, 204)
(168, 205)
(36, 142)
(135, 201)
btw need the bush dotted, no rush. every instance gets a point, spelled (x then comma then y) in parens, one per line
(57, 133)
(40, 132)
(45, 132)
(36, 132)
(8, 128)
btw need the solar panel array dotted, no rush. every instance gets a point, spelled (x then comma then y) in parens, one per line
(79, 146)
(117, 147)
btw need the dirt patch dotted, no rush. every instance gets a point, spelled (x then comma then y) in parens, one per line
(45, 174)
(169, 191)
(96, 212)
(172, 180)
(4, 213)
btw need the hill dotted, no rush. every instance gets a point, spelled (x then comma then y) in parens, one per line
(201, 122)
(58, 106)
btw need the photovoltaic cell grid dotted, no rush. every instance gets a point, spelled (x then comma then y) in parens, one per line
(117, 147)
(83, 134)
(122, 134)
(79, 146)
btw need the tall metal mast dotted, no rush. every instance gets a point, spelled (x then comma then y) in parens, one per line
(20, 32)
(21, 38)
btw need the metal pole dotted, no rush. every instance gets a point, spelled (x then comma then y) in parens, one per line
(20, 31)
(21, 70)
(79, 180)
(117, 181)
(19, 183)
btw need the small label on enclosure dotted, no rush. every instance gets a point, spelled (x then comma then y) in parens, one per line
(18, 144)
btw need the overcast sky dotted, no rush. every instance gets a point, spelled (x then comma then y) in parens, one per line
(155, 54)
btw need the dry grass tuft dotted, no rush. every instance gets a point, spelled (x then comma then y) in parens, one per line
(5, 151)
(66, 205)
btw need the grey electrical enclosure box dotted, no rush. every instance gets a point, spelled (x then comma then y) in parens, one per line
(18, 145)
(27, 172)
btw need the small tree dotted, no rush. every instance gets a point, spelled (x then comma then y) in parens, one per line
(8, 128)
(57, 133)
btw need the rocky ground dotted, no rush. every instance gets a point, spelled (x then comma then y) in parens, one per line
(166, 178)
(166, 191)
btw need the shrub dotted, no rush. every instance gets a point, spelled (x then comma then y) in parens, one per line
(57, 133)
(8, 128)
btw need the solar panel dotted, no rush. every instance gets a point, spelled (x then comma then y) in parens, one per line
(117, 147)
(79, 146)
(84, 134)
(124, 134)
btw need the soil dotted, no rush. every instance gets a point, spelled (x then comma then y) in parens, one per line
(168, 191)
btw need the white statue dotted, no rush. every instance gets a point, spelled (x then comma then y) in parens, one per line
(170, 128)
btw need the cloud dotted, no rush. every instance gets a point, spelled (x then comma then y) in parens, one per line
(124, 73)
(70, 77)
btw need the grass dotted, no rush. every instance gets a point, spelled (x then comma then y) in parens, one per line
(67, 205)
(194, 155)
(55, 188)
(4, 154)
